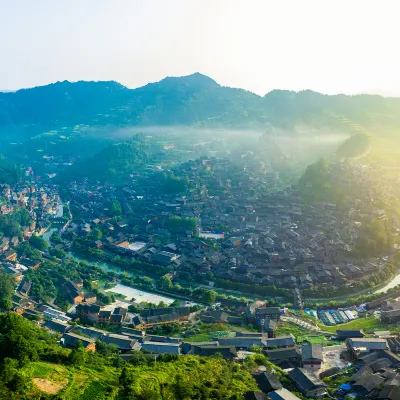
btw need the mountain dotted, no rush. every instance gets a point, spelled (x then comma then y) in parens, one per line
(190, 100)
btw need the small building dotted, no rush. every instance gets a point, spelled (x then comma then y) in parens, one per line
(346, 334)
(267, 382)
(311, 355)
(367, 383)
(161, 348)
(25, 287)
(271, 313)
(390, 316)
(209, 351)
(57, 326)
(122, 342)
(269, 326)
(389, 392)
(280, 342)
(307, 382)
(88, 312)
(71, 339)
(119, 315)
(359, 346)
(285, 357)
(282, 394)
(90, 298)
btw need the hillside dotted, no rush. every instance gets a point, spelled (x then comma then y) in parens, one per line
(33, 366)
(10, 173)
(113, 162)
(189, 100)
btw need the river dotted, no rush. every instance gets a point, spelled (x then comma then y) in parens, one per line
(394, 282)
(112, 268)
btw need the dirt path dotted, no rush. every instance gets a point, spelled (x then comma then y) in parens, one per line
(48, 386)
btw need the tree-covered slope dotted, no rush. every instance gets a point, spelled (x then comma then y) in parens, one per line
(114, 161)
(33, 366)
(10, 173)
(189, 100)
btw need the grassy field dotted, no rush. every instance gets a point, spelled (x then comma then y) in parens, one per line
(369, 324)
(314, 339)
(288, 328)
(71, 383)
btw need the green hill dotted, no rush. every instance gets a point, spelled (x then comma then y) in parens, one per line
(113, 162)
(10, 173)
(355, 146)
(189, 100)
(33, 366)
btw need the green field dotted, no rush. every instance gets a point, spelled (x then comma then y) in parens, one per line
(313, 339)
(367, 324)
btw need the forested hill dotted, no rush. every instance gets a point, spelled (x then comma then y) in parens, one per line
(190, 100)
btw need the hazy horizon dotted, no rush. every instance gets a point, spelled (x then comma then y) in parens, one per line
(329, 47)
(378, 92)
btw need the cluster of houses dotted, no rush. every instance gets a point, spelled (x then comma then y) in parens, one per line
(264, 239)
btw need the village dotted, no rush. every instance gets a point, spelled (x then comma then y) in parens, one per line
(226, 268)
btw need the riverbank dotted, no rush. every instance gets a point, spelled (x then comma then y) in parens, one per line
(382, 288)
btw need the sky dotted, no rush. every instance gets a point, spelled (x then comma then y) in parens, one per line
(330, 46)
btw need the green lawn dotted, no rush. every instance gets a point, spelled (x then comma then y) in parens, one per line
(367, 324)
(314, 339)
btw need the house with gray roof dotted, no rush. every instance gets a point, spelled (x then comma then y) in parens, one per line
(71, 339)
(241, 342)
(161, 348)
(307, 382)
(283, 394)
(57, 326)
(124, 343)
(356, 346)
(311, 355)
(282, 341)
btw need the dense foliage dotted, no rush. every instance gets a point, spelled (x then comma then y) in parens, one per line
(10, 173)
(27, 353)
(7, 284)
(10, 224)
(113, 162)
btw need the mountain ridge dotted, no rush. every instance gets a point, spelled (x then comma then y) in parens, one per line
(189, 100)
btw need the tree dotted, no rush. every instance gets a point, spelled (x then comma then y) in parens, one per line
(97, 234)
(207, 296)
(7, 284)
(77, 356)
(165, 282)
(177, 224)
(116, 208)
(38, 243)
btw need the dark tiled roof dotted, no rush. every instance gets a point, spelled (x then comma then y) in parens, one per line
(305, 380)
(57, 326)
(282, 354)
(267, 382)
(389, 392)
(255, 396)
(349, 333)
(70, 339)
(283, 394)
(121, 341)
(311, 352)
(368, 383)
(205, 351)
(161, 348)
